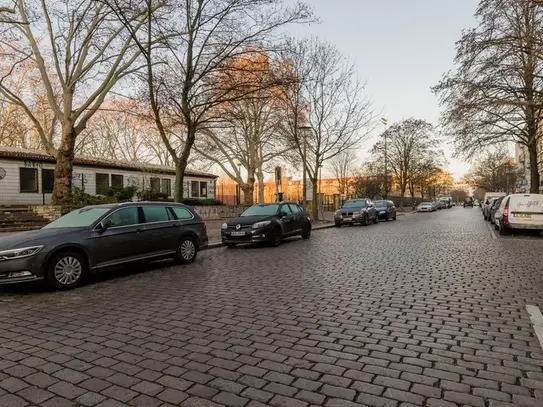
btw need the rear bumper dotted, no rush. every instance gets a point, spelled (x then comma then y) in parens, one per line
(524, 226)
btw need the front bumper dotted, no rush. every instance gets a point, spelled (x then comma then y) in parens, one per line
(383, 214)
(251, 236)
(28, 265)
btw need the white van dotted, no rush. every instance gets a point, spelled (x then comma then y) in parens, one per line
(520, 211)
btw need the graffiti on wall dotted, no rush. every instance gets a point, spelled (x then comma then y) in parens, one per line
(2, 173)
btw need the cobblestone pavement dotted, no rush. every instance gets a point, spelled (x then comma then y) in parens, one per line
(425, 311)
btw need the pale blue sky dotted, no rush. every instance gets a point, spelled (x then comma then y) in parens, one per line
(401, 47)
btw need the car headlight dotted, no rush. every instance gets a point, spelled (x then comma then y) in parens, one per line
(224, 226)
(261, 224)
(19, 253)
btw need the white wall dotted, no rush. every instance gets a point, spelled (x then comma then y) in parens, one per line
(10, 187)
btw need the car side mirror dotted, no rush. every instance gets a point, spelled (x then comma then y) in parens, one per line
(104, 225)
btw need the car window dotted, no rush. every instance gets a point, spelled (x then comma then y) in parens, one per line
(78, 218)
(300, 209)
(360, 203)
(156, 214)
(286, 209)
(261, 209)
(124, 217)
(295, 208)
(181, 213)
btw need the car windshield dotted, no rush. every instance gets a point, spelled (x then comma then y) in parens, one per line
(79, 218)
(381, 203)
(426, 204)
(257, 210)
(360, 203)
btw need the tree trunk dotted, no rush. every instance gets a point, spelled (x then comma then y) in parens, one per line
(315, 205)
(182, 163)
(260, 177)
(249, 191)
(62, 189)
(534, 171)
(179, 184)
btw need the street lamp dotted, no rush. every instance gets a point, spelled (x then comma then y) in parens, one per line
(385, 122)
(304, 129)
(238, 187)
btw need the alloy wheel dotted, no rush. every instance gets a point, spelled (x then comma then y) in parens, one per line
(68, 271)
(187, 250)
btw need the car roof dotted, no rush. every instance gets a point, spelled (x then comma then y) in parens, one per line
(142, 203)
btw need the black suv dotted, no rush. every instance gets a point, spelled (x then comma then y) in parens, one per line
(99, 237)
(267, 223)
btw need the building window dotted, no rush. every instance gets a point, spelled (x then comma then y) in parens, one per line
(203, 189)
(28, 180)
(117, 180)
(102, 183)
(47, 181)
(155, 184)
(195, 189)
(167, 186)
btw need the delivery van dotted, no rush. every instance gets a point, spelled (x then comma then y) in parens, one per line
(520, 211)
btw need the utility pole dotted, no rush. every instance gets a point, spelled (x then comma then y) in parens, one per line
(304, 130)
(385, 122)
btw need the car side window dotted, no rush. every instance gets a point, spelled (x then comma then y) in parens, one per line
(156, 214)
(286, 208)
(294, 208)
(124, 217)
(300, 209)
(181, 213)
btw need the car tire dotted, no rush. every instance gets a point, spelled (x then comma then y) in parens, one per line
(394, 218)
(502, 230)
(496, 227)
(67, 270)
(375, 220)
(186, 250)
(306, 234)
(276, 237)
(230, 245)
(337, 225)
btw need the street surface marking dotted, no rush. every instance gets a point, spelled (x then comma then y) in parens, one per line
(537, 321)
(491, 230)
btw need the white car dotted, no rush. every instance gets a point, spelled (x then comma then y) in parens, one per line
(520, 211)
(426, 207)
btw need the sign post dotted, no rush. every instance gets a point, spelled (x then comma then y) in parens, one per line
(278, 189)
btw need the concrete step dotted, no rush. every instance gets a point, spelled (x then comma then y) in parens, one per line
(14, 209)
(23, 219)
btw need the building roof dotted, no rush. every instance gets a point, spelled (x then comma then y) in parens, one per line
(38, 155)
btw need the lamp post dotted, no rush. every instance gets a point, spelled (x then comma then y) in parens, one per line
(304, 129)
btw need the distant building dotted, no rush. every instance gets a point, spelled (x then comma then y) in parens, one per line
(26, 177)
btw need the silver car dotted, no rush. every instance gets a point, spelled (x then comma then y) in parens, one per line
(353, 211)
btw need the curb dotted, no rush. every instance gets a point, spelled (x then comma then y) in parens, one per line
(216, 245)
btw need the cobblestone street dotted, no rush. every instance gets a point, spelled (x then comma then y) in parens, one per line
(429, 310)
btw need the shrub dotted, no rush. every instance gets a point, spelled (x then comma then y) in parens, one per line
(81, 198)
(202, 202)
(149, 195)
(122, 194)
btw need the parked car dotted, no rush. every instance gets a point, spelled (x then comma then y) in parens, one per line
(447, 201)
(426, 207)
(267, 223)
(519, 211)
(99, 237)
(440, 205)
(494, 208)
(486, 208)
(385, 210)
(353, 211)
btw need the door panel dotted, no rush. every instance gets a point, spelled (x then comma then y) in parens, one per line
(288, 221)
(159, 230)
(121, 241)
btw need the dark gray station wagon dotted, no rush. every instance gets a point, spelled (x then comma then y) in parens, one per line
(99, 237)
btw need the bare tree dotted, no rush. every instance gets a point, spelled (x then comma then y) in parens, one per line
(250, 137)
(496, 93)
(331, 98)
(494, 170)
(407, 142)
(343, 167)
(81, 53)
(195, 52)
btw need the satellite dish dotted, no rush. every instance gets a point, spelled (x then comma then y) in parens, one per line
(2, 173)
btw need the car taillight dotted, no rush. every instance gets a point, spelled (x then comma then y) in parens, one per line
(205, 224)
(505, 212)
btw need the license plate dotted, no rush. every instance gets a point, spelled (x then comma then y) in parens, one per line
(382, 212)
(347, 218)
(237, 234)
(522, 215)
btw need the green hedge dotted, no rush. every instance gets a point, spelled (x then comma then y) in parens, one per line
(202, 202)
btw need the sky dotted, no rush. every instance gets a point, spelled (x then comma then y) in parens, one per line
(401, 48)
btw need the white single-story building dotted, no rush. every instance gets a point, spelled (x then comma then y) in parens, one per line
(26, 177)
